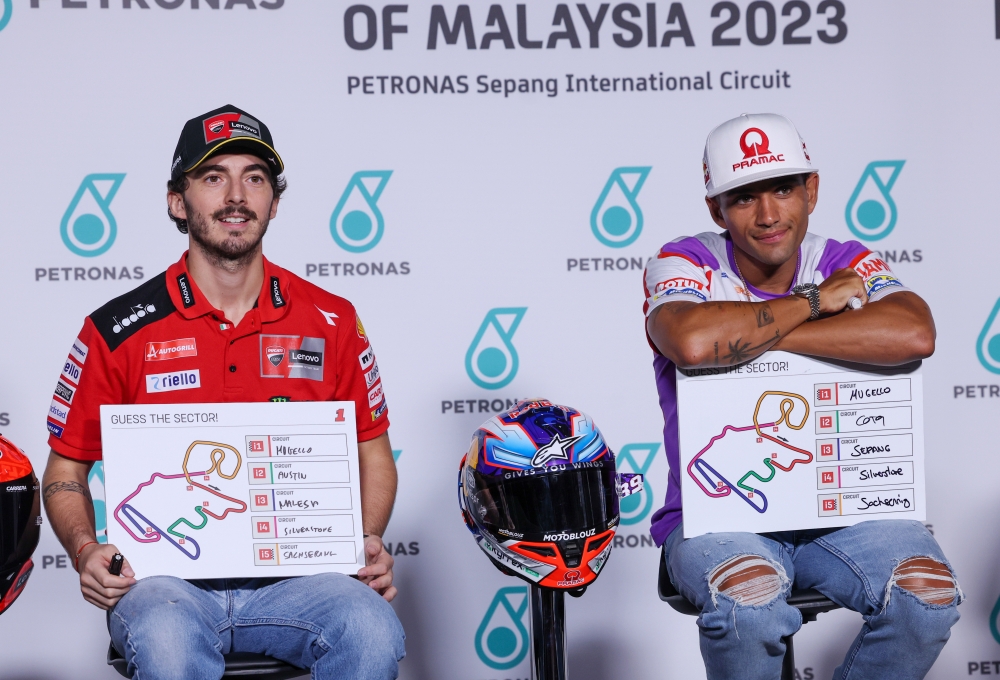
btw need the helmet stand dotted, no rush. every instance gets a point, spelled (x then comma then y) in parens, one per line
(548, 634)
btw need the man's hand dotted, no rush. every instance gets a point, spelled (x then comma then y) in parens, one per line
(838, 289)
(99, 587)
(378, 572)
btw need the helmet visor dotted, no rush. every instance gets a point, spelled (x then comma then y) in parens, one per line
(568, 501)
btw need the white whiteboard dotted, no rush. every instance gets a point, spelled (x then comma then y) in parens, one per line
(789, 442)
(233, 490)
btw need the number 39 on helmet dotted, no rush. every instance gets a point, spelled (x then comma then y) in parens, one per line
(539, 493)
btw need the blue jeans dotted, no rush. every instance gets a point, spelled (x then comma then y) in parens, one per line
(170, 629)
(901, 637)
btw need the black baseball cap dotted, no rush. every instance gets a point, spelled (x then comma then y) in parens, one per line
(224, 130)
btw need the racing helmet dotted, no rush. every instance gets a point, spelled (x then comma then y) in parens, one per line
(539, 493)
(20, 520)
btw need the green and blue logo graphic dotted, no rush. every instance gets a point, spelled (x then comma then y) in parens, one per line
(8, 9)
(356, 223)
(616, 219)
(994, 615)
(988, 344)
(502, 640)
(88, 228)
(635, 508)
(95, 480)
(871, 212)
(491, 361)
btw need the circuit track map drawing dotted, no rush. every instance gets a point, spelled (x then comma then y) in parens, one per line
(787, 442)
(233, 490)
(151, 533)
(722, 487)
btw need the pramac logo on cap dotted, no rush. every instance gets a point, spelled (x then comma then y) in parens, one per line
(757, 152)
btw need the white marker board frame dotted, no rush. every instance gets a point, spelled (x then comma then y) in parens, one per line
(788, 442)
(233, 490)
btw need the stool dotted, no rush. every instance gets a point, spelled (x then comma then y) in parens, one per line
(809, 602)
(238, 665)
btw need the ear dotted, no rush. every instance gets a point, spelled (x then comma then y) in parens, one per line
(715, 210)
(175, 203)
(812, 190)
(274, 207)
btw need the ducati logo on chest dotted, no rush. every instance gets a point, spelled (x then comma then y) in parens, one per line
(275, 354)
(291, 356)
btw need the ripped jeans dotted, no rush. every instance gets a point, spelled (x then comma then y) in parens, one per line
(740, 581)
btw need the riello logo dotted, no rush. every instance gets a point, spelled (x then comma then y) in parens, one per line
(616, 219)
(871, 212)
(502, 639)
(88, 227)
(357, 224)
(491, 361)
(637, 458)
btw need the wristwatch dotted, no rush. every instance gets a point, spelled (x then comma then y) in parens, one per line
(809, 291)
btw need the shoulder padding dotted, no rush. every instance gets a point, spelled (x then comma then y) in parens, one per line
(118, 320)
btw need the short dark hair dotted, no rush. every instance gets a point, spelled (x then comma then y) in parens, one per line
(180, 185)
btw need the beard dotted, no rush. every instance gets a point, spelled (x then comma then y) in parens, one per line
(234, 251)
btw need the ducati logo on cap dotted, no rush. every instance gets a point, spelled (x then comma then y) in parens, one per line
(757, 148)
(275, 354)
(229, 125)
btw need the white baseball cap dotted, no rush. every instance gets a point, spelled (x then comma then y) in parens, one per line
(750, 148)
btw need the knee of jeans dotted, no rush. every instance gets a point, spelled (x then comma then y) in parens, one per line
(930, 580)
(748, 580)
(374, 630)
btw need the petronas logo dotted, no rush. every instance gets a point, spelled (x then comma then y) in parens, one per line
(357, 224)
(616, 219)
(988, 343)
(502, 640)
(491, 361)
(88, 227)
(871, 212)
(5, 12)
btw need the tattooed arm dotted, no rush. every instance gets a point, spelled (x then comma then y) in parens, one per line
(70, 508)
(724, 333)
(895, 330)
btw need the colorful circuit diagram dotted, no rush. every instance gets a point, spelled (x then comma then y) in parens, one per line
(149, 532)
(719, 486)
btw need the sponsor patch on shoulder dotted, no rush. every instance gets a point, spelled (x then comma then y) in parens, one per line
(58, 411)
(54, 429)
(377, 413)
(371, 376)
(361, 330)
(366, 359)
(72, 372)
(79, 351)
(876, 273)
(375, 395)
(176, 380)
(64, 392)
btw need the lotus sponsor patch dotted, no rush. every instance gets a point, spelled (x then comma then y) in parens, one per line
(176, 380)
(171, 349)
(292, 356)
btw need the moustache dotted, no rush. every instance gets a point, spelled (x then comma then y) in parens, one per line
(234, 212)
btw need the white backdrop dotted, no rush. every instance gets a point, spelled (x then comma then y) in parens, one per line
(488, 207)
